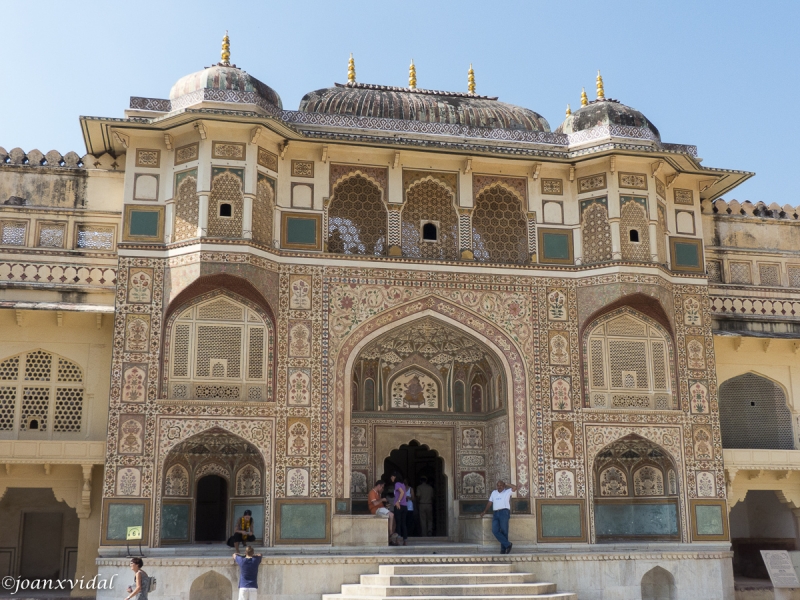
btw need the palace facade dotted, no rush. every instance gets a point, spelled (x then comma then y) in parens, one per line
(227, 305)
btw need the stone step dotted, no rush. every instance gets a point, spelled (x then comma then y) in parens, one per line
(426, 591)
(553, 596)
(447, 579)
(476, 568)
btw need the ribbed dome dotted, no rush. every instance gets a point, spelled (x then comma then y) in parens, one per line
(428, 106)
(225, 78)
(606, 112)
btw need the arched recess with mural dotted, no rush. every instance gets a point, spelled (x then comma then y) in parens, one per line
(188, 450)
(635, 484)
(437, 313)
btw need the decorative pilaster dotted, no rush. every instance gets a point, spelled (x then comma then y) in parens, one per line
(465, 233)
(247, 216)
(532, 236)
(395, 230)
(202, 217)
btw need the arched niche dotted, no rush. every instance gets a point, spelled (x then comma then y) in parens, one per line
(632, 496)
(211, 586)
(658, 584)
(208, 455)
(753, 413)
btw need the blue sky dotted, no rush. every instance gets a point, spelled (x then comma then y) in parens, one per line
(721, 75)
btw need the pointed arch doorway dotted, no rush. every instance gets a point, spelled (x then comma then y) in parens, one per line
(415, 461)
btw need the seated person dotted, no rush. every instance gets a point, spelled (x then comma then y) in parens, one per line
(377, 505)
(244, 532)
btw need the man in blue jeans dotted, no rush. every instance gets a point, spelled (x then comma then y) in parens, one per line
(248, 574)
(501, 501)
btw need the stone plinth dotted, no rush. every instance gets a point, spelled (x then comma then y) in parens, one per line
(478, 530)
(359, 530)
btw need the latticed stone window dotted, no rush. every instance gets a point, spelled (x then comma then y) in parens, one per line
(264, 211)
(220, 349)
(794, 276)
(40, 391)
(499, 227)
(769, 274)
(753, 414)
(357, 218)
(634, 230)
(430, 222)
(629, 362)
(187, 209)
(225, 206)
(12, 233)
(741, 272)
(595, 231)
(95, 237)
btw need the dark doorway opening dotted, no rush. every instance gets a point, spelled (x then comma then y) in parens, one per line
(41, 545)
(414, 461)
(211, 509)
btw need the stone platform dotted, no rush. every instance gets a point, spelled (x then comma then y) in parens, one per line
(593, 572)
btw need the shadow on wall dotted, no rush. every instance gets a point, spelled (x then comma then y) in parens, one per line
(658, 584)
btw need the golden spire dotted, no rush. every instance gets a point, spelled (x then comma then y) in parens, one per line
(226, 50)
(584, 98)
(471, 80)
(351, 70)
(601, 94)
(412, 76)
(569, 110)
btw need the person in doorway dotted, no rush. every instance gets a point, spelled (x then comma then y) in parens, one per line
(248, 573)
(141, 581)
(425, 506)
(377, 505)
(401, 507)
(244, 531)
(500, 500)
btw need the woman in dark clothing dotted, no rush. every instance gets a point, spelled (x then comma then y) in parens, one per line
(401, 507)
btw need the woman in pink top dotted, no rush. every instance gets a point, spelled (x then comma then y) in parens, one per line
(401, 506)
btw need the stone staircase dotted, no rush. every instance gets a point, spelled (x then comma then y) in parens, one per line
(450, 582)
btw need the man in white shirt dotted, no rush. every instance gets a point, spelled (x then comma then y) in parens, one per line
(500, 500)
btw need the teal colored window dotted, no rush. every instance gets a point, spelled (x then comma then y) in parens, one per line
(122, 516)
(303, 521)
(301, 231)
(687, 254)
(561, 520)
(709, 519)
(144, 223)
(556, 245)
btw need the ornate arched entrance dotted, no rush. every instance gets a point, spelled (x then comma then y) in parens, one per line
(434, 380)
(207, 482)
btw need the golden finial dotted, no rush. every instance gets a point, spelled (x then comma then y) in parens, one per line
(351, 70)
(412, 76)
(226, 50)
(601, 94)
(569, 110)
(584, 98)
(471, 80)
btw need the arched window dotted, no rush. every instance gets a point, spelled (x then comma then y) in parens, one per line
(595, 231)
(357, 218)
(263, 211)
(226, 205)
(220, 349)
(634, 225)
(186, 206)
(40, 392)
(629, 360)
(430, 222)
(753, 414)
(499, 227)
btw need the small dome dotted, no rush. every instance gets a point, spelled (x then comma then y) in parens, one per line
(607, 112)
(225, 78)
(428, 106)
